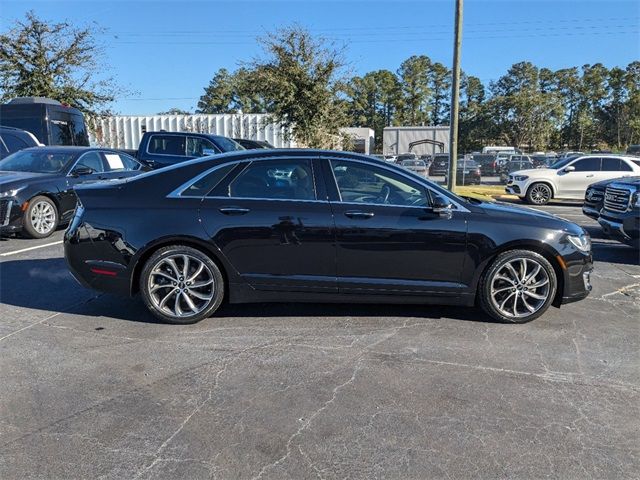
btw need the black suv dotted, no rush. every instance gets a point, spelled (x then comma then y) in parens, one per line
(13, 139)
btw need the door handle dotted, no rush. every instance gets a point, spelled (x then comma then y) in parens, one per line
(233, 210)
(358, 214)
(589, 176)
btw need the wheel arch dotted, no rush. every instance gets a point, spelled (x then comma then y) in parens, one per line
(192, 242)
(548, 252)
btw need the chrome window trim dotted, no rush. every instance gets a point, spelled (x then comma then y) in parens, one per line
(177, 193)
(415, 179)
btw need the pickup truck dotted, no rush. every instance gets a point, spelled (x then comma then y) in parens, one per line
(160, 149)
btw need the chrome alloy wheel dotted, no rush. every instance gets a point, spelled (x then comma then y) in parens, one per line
(520, 288)
(181, 285)
(42, 217)
(540, 193)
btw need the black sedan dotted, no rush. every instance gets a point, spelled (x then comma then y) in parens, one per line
(36, 184)
(317, 226)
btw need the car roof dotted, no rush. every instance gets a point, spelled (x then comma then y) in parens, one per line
(71, 149)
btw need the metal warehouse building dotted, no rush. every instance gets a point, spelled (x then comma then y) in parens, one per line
(126, 131)
(396, 140)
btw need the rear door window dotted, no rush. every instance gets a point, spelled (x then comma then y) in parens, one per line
(200, 147)
(167, 145)
(615, 165)
(278, 180)
(120, 162)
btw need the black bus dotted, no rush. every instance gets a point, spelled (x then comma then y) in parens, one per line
(49, 120)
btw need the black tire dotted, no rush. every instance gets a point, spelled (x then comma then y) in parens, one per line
(181, 293)
(40, 218)
(490, 299)
(539, 193)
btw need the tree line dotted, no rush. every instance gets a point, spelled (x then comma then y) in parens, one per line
(300, 80)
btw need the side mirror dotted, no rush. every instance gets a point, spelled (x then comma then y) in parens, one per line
(442, 206)
(568, 169)
(81, 170)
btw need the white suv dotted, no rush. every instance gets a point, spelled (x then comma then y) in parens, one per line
(569, 177)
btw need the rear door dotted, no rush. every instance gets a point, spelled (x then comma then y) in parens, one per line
(272, 221)
(389, 240)
(163, 150)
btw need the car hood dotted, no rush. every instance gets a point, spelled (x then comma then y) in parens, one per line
(517, 214)
(536, 172)
(16, 179)
(626, 180)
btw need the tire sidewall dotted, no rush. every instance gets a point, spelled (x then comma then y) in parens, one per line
(28, 228)
(500, 260)
(173, 250)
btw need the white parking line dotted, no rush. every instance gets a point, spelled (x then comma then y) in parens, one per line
(15, 252)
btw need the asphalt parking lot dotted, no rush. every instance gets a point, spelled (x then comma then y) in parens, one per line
(93, 387)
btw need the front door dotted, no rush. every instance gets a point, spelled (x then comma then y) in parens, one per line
(573, 184)
(389, 240)
(272, 226)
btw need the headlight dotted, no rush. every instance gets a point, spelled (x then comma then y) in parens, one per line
(581, 242)
(635, 200)
(11, 193)
(520, 178)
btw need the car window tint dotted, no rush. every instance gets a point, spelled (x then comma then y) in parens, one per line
(284, 179)
(91, 160)
(359, 183)
(591, 164)
(203, 185)
(13, 143)
(614, 165)
(200, 147)
(167, 145)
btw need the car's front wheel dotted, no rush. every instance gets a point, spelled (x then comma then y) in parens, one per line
(40, 218)
(539, 194)
(180, 284)
(517, 287)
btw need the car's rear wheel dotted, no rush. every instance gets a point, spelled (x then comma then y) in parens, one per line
(40, 218)
(539, 194)
(518, 286)
(180, 284)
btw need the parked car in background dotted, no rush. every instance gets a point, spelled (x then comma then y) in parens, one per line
(517, 162)
(487, 162)
(406, 156)
(36, 184)
(160, 149)
(540, 161)
(318, 226)
(633, 150)
(426, 158)
(378, 156)
(14, 139)
(570, 153)
(439, 165)
(253, 144)
(468, 173)
(416, 166)
(569, 177)
(390, 158)
(620, 214)
(51, 122)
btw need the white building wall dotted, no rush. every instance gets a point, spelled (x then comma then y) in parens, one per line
(126, 131)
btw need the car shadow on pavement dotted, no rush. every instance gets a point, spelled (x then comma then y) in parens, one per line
(46, 284)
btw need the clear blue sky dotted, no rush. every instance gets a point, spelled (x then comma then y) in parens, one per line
(168, 51)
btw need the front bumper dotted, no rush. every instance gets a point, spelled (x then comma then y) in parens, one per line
(11, 216)
(577, 277)
(590, 211)
(624, 228)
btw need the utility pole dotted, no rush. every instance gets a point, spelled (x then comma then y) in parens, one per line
(455, 99)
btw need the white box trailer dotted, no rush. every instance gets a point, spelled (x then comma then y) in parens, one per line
(396, 140)
(126, 131)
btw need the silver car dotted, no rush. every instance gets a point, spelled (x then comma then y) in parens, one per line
(416, 166)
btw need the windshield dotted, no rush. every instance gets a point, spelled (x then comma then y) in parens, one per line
(228, 145)
(37, 161)
(561, 163)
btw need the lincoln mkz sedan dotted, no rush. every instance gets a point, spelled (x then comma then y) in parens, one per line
(317, 226)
